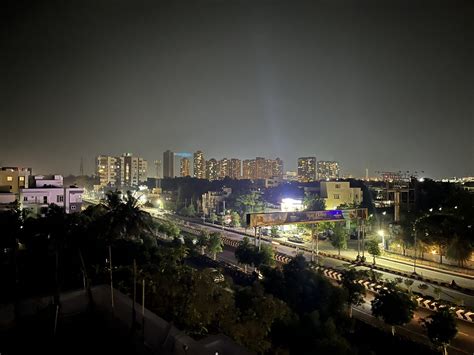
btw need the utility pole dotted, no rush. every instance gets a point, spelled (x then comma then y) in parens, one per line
(223, 213)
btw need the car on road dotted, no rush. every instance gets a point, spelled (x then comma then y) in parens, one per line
(217, 276)
(296, 239)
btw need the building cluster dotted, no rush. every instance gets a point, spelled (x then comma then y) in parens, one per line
(36, 192)
(309, 169)
(213, 169)
(124, 170)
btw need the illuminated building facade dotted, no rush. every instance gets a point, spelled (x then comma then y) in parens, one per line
(328, 170)
(212, 170)
(235, 168)
(185, 167)
(199, 165)
(248, 169)
(307, 169)
(224, 168)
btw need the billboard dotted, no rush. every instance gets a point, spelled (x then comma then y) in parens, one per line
(279, 218)
(355, 213)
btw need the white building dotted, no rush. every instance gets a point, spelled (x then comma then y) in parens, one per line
(337, 193)
(126, 170)
(48, 190)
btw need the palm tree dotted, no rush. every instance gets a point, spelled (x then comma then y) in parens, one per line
(215, 244)
(124, 218)
(203, 240)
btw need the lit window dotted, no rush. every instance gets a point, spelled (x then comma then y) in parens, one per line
(21, 178)
(9, 178)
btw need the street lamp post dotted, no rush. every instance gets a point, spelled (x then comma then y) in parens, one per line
(358, 238)
(414, 252)
(382, 234)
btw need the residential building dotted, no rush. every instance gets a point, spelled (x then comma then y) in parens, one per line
(212, 172)
(224, 168)
(199, 165)
(108, 170)
(260, 168)
(328, 170)
(133, 170)
(125, 170)
(277, 168)
(185, 167)
(168, 164)
(337, 193)
(307, 169)
(235, 168)
(46, 190)
(248, 169)
(12, 179)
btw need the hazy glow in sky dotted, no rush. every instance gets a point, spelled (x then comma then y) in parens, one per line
(378, 85)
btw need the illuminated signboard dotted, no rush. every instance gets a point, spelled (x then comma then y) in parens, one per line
(279, 218)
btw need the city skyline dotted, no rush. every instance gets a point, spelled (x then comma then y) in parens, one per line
(389, 89)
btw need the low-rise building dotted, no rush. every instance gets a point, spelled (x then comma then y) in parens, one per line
(212, 201)
(46, 190)
(337, 193)
(12, 179)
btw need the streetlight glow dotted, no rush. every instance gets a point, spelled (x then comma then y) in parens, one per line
(381, 233)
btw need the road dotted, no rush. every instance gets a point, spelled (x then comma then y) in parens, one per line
(446, 294)
(462, 344)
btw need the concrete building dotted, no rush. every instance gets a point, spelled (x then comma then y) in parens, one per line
(185, 167)
(12, 179)
(224, 168)
(46, 190)
(212, 201)
(307, 169)
(235, 168)
(337, 193)
(261, 168)
(328, 170)
(199, 165)
(248, 169)
(133, 170)
(108, 170)
(125, 170)
(168, 164)
(277, 168)
(212, 169)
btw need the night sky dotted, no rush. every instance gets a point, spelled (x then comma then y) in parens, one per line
(379, 84)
